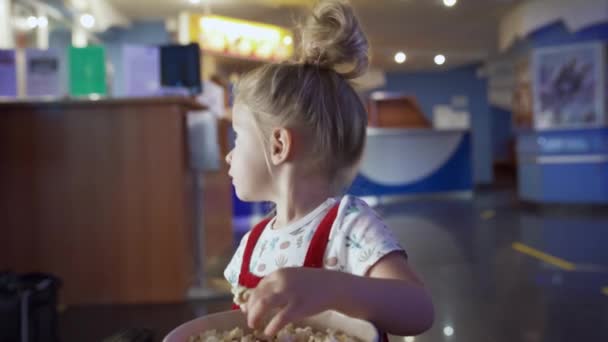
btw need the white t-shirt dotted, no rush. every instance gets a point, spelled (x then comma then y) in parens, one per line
(358, 239)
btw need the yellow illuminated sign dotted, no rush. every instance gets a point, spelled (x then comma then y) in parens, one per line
(240, 38)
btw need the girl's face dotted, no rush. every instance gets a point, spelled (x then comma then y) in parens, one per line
(248, 167)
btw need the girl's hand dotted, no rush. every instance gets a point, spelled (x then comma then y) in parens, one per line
(290, 294)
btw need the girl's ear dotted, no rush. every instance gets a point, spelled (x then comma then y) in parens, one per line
(281, 145)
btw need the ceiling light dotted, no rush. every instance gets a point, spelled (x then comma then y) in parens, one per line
(439, 59)
(43, 21)
(32, 22)
(448, 331)
(87, 21)
(449, 3)
(400, 57)
(287, 40)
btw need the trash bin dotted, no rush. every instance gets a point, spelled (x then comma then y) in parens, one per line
(28, 307)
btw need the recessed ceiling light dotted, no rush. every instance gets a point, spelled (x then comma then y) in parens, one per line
(87, 21)
(400, 57)
(449, 3)
(439, 59)
(32, 22)
(43, 21)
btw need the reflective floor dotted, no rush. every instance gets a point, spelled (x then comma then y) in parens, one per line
(497, 271)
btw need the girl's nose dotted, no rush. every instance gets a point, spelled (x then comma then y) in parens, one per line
(229, 158)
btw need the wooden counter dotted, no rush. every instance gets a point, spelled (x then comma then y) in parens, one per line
(395, 110)
(98, 193)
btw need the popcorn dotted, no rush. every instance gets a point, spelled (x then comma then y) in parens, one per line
(287, 334)
(241, 295)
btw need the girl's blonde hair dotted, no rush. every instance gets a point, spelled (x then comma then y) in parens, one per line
(313, 95)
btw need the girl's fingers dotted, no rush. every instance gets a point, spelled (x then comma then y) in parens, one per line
(258, 308)
(286, 315)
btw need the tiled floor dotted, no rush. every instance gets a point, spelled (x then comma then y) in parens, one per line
(481, 259)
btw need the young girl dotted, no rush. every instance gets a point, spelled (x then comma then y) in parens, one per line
(300, 132)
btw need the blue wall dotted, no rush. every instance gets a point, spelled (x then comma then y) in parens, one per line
(433, 88)
(502, 134)
(567, 181)
(551, 35)
(558, 34)
(139, 32)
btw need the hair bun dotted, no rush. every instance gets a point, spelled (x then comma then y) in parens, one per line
(332, 38)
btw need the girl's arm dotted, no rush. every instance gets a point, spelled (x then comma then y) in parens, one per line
(391, 296)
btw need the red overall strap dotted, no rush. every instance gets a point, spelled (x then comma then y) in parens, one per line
(318, 244)
(247, 279)
(314, 255)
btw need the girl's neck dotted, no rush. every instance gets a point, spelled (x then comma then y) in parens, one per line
(300, 198)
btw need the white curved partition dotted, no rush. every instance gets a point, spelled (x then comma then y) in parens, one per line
(395, 157)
